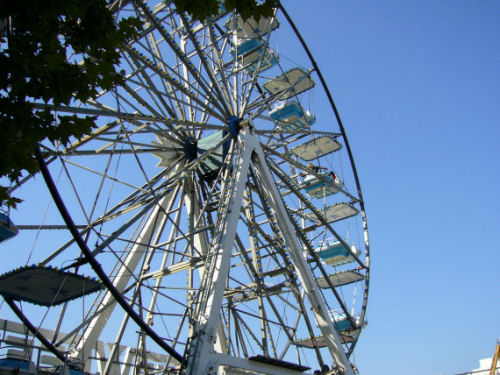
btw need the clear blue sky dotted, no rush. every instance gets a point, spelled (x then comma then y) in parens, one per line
(417, 85)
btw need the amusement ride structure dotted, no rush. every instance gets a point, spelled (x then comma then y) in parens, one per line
(213, 222)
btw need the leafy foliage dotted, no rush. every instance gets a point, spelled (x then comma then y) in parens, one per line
(39, 39)
(203, 9)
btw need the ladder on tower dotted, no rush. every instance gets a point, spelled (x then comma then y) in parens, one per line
(494, 362)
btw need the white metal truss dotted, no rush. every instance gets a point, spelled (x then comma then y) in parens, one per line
(202, 355)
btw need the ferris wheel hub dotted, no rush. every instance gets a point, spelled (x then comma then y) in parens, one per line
(190, 148)
(234, 126)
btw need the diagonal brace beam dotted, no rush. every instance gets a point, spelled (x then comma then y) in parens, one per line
(299, 260)
(207, 316)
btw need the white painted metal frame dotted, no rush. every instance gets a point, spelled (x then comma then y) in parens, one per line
(202, 356)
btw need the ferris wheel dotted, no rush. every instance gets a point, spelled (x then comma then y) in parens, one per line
(212, 223)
